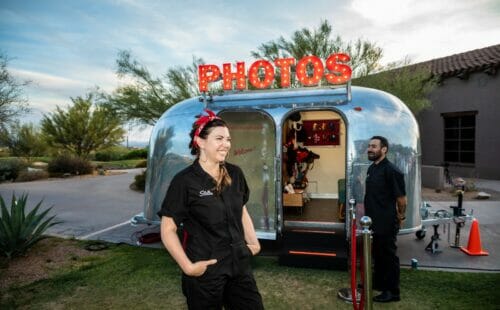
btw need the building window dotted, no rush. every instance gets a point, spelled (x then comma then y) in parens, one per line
(459, 137)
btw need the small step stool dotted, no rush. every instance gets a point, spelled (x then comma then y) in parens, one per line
(295, 200)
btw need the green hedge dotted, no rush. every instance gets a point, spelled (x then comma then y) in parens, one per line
(135, 154)
(120, 153)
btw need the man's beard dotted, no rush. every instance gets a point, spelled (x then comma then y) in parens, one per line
(372, 156)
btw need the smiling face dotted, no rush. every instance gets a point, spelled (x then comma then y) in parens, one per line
(216, 145)
(376, 152)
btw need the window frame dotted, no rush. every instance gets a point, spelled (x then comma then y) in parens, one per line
(453, 135)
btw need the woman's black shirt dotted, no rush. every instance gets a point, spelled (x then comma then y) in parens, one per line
(212, 220)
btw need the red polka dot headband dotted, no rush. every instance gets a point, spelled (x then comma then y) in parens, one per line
(202, 121)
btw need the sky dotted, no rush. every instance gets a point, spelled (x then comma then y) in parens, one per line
(66, 48)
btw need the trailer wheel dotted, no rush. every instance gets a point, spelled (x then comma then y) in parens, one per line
(420, 234)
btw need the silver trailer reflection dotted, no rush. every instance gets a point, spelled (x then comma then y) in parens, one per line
(259, 123)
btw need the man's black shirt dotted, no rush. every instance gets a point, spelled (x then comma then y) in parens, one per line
(384, 184)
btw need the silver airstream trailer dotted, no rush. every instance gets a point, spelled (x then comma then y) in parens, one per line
(336, 123)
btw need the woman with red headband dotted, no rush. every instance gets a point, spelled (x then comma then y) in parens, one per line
(208, 200)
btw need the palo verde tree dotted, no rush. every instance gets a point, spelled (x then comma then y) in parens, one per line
(145, 99)
(365, 55)
(13, 102)
(23, 140)
(410, 83)
(82, 128)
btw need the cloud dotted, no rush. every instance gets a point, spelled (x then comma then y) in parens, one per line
(426, 29)
(47, 82)
(43, 104)
(396, 12)
(75, 80)
(47, 91)
(389, 12)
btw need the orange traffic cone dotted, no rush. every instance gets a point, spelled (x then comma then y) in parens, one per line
(474, 246)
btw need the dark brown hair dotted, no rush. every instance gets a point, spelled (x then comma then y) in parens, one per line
(224, 178)
(383, 141)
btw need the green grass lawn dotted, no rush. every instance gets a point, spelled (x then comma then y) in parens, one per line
(129, 277)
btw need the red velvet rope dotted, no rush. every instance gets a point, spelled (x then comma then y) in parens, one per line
(355, 305)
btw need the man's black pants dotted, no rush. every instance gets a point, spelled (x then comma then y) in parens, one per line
(386, 263)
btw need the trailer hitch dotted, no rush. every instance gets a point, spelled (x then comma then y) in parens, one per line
(458, 217)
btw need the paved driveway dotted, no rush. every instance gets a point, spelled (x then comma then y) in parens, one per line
(86, 205)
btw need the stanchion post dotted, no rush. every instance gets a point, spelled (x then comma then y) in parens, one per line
(350, 215)
(366, 222)
(347, 292)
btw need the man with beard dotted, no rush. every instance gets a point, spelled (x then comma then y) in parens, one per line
(385, 203)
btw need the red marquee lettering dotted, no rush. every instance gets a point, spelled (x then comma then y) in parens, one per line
(310, 70)
(253, 74)
(229, 76)
(207, 73)
(317, 72)
(341, 72)
(284, 64)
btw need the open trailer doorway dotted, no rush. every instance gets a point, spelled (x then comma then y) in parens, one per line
(314, 169)
(313, 178)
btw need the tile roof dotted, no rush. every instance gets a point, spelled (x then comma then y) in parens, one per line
(483, 59)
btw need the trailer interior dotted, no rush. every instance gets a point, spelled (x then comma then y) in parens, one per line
(313, 169)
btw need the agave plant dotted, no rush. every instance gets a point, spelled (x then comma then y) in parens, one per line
(18, 231)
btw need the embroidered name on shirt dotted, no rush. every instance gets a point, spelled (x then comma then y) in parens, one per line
(206, 193)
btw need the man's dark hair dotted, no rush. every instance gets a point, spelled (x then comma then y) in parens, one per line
(383, 141)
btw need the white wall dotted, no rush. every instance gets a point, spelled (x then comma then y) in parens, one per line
(332, 163)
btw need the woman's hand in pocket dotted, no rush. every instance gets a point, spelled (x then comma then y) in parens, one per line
(254, 248)
(200, 267)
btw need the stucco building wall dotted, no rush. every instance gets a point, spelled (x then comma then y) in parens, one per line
(478, 92)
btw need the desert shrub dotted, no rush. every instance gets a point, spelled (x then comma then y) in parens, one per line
(142, 164)
(140, 181)
(135, 154)
(27, 176)
(10, 168)
(69, 164)
(20, 231)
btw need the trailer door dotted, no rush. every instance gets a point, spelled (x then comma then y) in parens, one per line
(253, 148)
